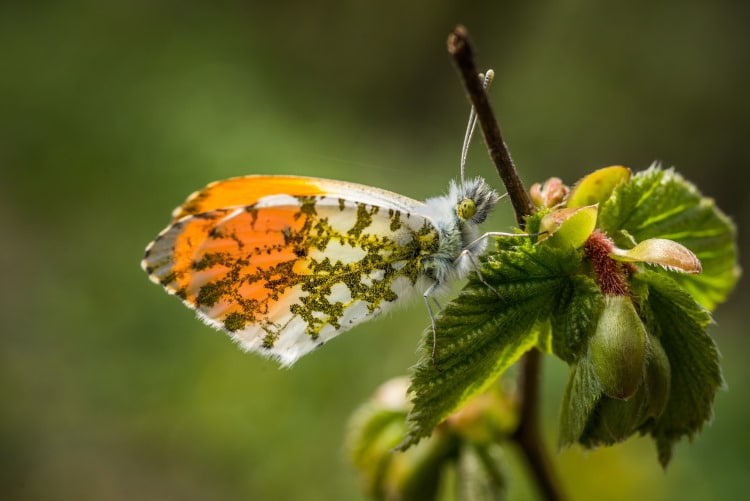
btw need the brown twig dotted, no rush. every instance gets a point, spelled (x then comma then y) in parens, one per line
(459, 47)
(528, 434)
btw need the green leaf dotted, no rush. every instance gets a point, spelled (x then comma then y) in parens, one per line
(679, 322)
(597, 187)
(659, 203)
(614, 420)
(666, 253)
(475, 344)
(658, 378)
(483, 331)
(579, 305)
(582, 393)
(568, 226)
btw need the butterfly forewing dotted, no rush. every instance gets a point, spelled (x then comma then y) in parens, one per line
(287, 273)
(248, 190)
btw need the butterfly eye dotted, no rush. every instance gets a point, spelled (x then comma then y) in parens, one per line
(466, 208)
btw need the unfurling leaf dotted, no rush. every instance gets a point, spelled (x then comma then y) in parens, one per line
(666, 253)
(613, 420)
(549, 195)
(568, 227)
(597, 187)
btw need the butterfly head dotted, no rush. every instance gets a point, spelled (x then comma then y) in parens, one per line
(474, 200)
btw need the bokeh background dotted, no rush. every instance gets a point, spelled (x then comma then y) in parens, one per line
(112, 112)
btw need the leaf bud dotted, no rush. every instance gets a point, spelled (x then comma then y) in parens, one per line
(618, 348)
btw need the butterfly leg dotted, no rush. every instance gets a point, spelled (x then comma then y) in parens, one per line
(475, 263)
(427, 296)
(485, 236)
(437, 303)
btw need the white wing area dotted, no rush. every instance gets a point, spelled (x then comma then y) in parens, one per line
(293, 341)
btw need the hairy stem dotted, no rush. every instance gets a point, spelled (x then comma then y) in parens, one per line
(528, 434)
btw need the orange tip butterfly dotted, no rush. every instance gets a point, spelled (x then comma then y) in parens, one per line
(285, 263)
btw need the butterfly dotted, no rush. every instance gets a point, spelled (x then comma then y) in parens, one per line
(286, 263)
(283, 264)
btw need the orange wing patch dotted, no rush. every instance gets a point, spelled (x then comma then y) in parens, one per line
(243, 191)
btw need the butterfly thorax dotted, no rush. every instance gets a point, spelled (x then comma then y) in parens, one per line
(456, 217)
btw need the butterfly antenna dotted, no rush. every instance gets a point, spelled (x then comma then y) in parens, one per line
(487, 77)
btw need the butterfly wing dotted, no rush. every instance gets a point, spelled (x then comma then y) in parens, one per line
(295, 267)
(248, 190)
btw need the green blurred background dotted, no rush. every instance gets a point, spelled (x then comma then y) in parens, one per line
(112, 112)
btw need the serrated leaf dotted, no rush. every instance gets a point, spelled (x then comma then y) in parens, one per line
(659, 203)
(474, 347)
(679, 323)
(582, 393)
(658, 377)
(479, 334)
(579, 304)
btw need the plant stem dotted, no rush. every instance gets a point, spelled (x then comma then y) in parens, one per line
(459, 47)
(528, 434)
